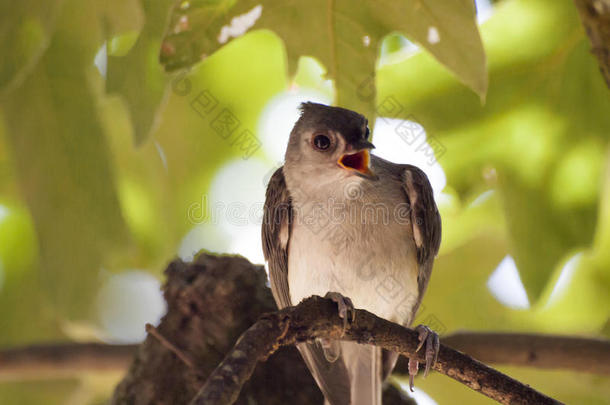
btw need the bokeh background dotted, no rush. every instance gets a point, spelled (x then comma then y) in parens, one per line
(110, 167)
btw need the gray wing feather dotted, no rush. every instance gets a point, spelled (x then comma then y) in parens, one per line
(426, 223)
(332, 378)
(277, 218)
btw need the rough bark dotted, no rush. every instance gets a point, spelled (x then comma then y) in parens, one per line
(595, 17)
(210, 303)
(213, 300)
(588, 355)
(317, 317)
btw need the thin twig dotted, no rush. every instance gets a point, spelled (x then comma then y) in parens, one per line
(317, 317)
(169, 345)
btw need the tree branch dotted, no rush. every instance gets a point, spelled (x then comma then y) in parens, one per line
(213, 300)
(63, 359)
(317, 317)
(541, 351)
(588, 355)
(595, 17)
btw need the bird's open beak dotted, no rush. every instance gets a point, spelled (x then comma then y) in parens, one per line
(358, 162)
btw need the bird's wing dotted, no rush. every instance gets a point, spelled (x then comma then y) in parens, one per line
(277, 220)
(426, 223)
(332, 377)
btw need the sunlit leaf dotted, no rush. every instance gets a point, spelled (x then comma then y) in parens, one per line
(120, 16)
(25, 32)
(137, 76)
(546, 113)
(602, 236)
(344, 38)
(62, 161)
(574, 301)
(160, 180)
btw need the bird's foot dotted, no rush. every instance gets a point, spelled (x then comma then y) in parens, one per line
(346, 308)
(430, 339)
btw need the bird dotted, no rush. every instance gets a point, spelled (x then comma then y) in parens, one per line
(343, 223)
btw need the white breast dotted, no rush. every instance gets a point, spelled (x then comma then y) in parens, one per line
(344, 245)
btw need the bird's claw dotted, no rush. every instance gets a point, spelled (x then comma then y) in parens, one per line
(346, 308)
(413, 368)
(431, 340)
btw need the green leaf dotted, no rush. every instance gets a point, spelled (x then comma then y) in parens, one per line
(540, 233)
(25, 31)
(160, 180)
(601, 246)
(575, 301)
(62, 160)
(120, 16)
(344, 38)
(546, 116)
(138, 77)
(26, 28)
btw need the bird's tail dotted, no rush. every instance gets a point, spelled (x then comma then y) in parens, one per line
(353, 378)
(364, 364)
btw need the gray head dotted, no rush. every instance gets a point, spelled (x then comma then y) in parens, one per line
(326, 141)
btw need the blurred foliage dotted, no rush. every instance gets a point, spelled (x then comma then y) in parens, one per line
(25, 32)
(342, 37)
(136, 73)
(98, 172)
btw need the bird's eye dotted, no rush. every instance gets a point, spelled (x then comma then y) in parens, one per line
(321, 142)
(367, 133)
